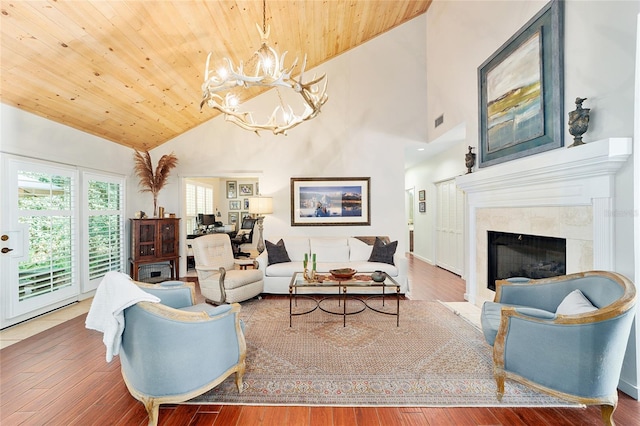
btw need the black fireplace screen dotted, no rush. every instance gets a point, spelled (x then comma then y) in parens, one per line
(520, 255)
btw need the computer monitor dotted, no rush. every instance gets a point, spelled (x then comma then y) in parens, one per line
(207, 219)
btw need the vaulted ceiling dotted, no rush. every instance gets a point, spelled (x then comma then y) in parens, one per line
(130, 71)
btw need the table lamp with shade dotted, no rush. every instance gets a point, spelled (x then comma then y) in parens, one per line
(260, 206)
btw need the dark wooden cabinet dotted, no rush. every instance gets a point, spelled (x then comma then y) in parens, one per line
(154, 241)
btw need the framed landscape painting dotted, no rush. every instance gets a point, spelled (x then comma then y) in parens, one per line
(521, 91)
(330, 201)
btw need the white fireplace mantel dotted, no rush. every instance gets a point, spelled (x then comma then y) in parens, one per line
(560, 177)
(576, 176)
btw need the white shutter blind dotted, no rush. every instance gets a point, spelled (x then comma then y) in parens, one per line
(198, 199)
(46, 202)
(208, 205)
(104, 232)
(191, 199)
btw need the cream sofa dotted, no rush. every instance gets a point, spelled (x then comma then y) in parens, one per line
(331, 253)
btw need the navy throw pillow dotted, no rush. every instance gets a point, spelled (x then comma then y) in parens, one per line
(277, 253)
(382, 252)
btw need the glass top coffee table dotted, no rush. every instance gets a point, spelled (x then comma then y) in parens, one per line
(343, 296)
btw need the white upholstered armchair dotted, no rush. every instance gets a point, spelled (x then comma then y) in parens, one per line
(219, 281)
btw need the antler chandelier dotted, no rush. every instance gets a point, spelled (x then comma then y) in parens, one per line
(219, 90)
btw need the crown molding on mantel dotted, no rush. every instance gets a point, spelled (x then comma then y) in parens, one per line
(560, 177)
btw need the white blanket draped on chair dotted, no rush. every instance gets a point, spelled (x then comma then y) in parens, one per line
(115, 293)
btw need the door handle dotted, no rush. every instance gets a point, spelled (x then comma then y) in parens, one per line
(6, 250)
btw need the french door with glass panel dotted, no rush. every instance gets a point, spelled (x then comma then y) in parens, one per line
(43, 258)
(39, 223)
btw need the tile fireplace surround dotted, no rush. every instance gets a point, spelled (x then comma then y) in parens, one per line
(565, 193)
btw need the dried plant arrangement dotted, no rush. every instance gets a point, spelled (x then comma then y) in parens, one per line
(150, 180)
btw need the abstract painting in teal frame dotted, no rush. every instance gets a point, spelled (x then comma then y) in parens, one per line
(521, 91)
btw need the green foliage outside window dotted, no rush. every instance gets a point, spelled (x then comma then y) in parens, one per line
(46, 204)
(105, 228)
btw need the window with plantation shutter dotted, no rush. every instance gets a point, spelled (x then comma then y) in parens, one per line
(208, 196)
(46, 201)
(104, 230)
(191, 199)
(198, 199)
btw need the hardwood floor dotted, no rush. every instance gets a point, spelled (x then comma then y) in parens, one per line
(60, 377)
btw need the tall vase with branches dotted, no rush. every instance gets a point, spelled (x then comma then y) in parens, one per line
(153, 180)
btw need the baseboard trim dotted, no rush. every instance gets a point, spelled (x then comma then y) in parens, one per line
(629, 389)
(424, 259)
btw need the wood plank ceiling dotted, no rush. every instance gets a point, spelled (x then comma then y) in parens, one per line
(130, 71)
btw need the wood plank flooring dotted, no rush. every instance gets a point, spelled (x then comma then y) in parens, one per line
(60, 377)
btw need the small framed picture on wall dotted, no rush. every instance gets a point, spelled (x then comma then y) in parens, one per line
(246, 189)
(422, 195)
(233, 219)
(232, 189)
(422, 207)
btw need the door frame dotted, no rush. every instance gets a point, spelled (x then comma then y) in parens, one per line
(18, 242)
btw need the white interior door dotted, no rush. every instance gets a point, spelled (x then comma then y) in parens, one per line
(450, 227)
(39, 221)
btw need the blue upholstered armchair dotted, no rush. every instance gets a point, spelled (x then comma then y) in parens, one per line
(568, 343)
(174, 350)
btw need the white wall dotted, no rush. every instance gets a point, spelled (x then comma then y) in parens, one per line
(32, 136)
(377, 102)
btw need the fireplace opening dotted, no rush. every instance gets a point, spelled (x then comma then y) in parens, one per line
(520, 255)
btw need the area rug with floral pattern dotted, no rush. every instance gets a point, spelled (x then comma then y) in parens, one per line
(433, 358)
